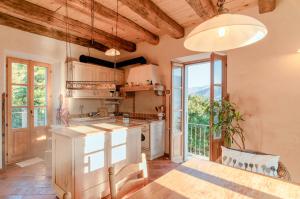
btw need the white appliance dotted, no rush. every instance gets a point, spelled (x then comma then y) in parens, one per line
(153, 139)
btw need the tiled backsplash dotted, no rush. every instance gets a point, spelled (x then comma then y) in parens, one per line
(140, 115)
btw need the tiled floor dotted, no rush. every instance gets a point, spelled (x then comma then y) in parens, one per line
(34, 182)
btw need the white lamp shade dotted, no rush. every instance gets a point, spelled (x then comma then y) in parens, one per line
(112, 52)
(225, 32)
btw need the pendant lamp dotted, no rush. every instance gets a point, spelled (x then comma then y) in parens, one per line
(112, 52)
(224, 32)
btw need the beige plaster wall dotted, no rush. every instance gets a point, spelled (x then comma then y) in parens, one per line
(263, 80)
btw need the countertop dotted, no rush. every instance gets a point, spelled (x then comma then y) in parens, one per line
(84, 128)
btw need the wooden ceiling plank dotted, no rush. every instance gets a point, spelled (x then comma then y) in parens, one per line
(38, 29)
(84, 7)
(265, 6)
(39, 15)
(204, 8)
(155, 16)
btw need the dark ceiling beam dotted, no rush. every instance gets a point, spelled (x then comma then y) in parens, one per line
(27, 26)
(84, 7)
(39, 15)
(204, 8)
(155, 16)
(265, 6)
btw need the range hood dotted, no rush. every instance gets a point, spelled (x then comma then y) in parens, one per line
(142, 75)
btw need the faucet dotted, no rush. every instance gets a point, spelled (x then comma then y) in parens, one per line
(81, 110)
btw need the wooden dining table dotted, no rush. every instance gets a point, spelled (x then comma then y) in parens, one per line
(204, 179)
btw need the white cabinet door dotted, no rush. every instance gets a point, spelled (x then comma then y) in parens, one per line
(83, 72)
(120, 77)
(157, 136)
(91, 164)
(134, 145)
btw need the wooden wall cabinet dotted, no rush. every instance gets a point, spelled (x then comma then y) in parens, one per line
(80, 163)
(77, 71)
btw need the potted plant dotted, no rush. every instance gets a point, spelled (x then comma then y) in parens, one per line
(227, 119)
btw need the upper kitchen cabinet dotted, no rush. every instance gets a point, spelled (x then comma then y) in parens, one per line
(78, 71)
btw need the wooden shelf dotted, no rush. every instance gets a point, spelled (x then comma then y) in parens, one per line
(141, 88)
(97, 97)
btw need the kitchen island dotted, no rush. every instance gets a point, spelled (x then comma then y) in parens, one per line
(81, 155)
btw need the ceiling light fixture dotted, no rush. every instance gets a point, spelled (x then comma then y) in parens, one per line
(225, 31)
(113, 51)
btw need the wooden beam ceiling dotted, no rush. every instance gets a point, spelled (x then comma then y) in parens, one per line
(204, 8)
(154, 15)
(84, 7)
(27, 26)
(42, 16)
(266, 6)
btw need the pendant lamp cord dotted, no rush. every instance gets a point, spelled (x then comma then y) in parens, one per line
(220, 5)
(68, 49)
(68, 44)
(92, 25)
(115, 57)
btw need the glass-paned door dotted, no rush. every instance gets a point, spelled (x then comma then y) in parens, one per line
(217, 94)
(40, 107)
(28, 108)
(177, 112)
(19, 108)
(195, 87)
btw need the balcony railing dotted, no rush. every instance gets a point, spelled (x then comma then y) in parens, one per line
(198, 140)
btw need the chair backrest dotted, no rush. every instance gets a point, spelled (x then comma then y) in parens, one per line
(282, 171)
(128, 178)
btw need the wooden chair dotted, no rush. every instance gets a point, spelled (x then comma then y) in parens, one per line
(129, 179)
(282, 171)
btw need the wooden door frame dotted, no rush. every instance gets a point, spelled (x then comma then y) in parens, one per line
(30, 74)
(223, 58)
(3, 133)
(224, 93)
(171, 107)
(184, 134)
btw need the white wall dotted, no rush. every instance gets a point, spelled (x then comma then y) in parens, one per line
(30, 46)
(263, 80)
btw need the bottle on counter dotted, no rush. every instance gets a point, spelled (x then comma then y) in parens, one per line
(126, 118)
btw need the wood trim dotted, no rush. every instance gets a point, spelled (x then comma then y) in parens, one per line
(217, 142)
(265, 6)
(154, 15)
(84, 7)
(27, 26)
(198, 61)
(171, 115)
(211, 101)
(39, 15)
(3, 133)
